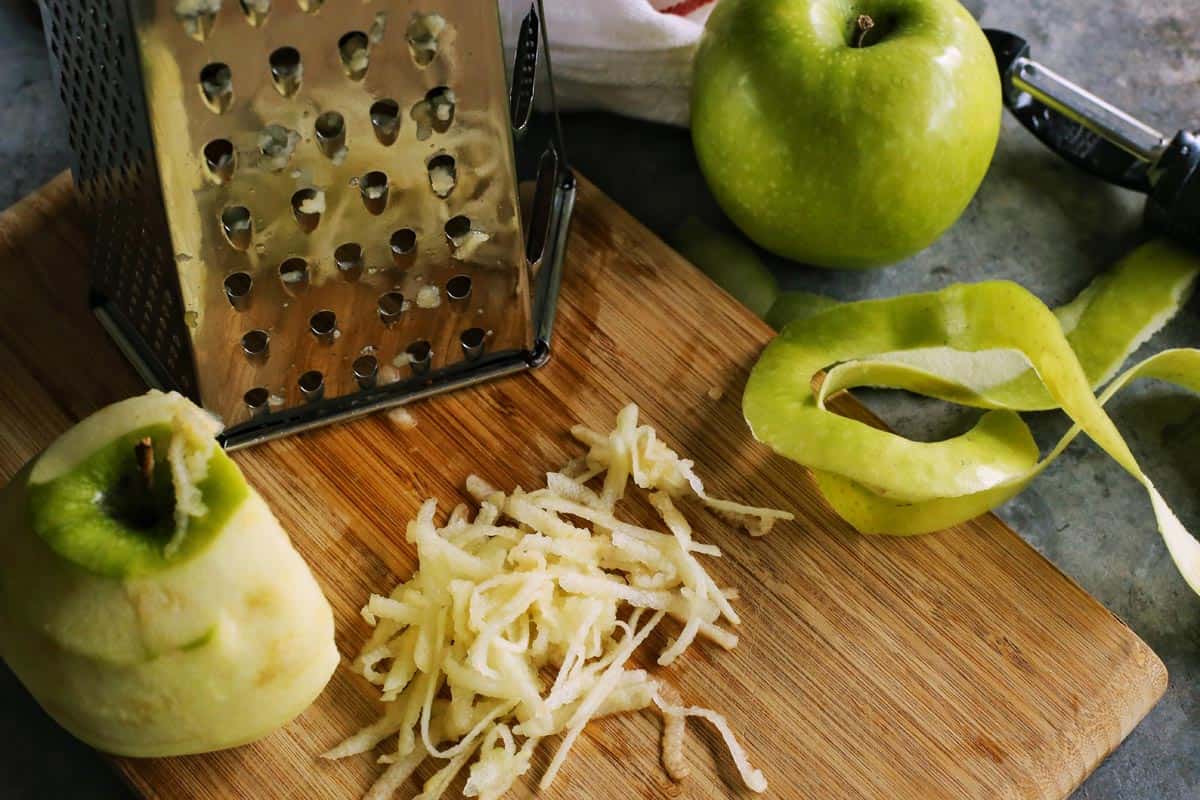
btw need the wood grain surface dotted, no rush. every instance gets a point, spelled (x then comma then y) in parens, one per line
(957, 665)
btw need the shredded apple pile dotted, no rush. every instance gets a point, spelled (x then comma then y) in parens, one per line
(518, 624)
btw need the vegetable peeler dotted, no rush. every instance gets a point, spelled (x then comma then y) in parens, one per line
(1103, 140)
(305, 211)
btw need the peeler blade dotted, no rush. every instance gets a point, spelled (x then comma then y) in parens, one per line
(1030, 91)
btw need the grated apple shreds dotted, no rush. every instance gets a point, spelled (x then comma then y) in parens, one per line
(549, 582)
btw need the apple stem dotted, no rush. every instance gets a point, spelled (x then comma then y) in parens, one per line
(143, 451)
(865, 24)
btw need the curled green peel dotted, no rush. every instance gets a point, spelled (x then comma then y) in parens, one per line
(991, 345)
(1117, 313)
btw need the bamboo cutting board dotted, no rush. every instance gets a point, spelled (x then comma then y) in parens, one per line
(959, 665)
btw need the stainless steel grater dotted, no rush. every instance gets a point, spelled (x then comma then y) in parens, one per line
(308, 210)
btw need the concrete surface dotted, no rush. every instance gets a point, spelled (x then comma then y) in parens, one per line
(1035, 221)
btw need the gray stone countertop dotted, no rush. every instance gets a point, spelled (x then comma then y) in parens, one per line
(1035, 220)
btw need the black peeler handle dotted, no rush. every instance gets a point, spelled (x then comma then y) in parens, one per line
(1174, 203)
(1103, 140)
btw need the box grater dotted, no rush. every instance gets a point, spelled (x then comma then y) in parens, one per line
(308, 210)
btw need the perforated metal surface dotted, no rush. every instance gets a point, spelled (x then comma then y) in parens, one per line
(133, 275)
(293, 198)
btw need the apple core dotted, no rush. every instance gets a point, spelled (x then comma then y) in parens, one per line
(110, 516)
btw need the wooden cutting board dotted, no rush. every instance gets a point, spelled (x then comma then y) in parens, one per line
(958, 665)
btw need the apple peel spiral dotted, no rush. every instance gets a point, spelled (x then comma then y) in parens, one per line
(990, 345)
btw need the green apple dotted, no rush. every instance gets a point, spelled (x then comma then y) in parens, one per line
(149, 599)
(844, 133)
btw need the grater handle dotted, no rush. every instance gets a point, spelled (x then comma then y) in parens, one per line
(524, 75)
(1082, 128)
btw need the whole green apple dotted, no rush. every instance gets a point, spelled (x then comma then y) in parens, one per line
(149, 599)
(844, 134)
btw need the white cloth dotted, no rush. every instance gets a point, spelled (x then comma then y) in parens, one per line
(633, 57)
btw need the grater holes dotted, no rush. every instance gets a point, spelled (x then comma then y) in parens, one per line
(307, 207)
(458, 288)
(220, 159)
(435, 112)
(256, 344)
(237, 226)
(373, 187)
(355, 51)
(287, 71)
(385, 120)
(391, 306)
(420, 356)
(196, 17)
(294, 273)
(257, 400)
(457, 227)
(403, 244)
(366, 371)
(310, 6)
(216, 86)
(472, 340)
(348, 258)
(256, 11)
(237, 289)
(443, 176)
(323, 325)
(464, 239)
(423, 33)
(330, 129)
(312, 385)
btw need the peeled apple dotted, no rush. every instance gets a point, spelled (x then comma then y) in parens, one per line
(149, 599)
